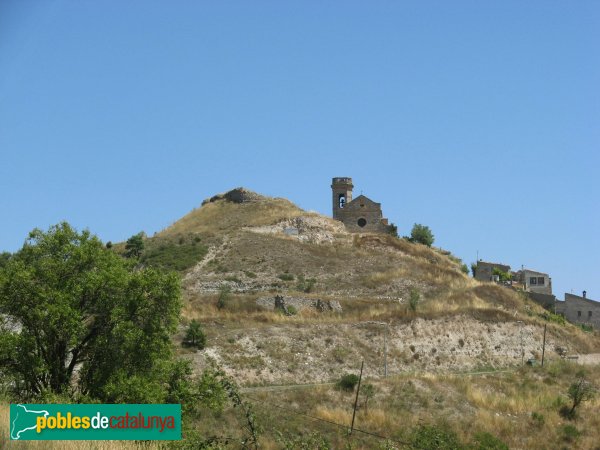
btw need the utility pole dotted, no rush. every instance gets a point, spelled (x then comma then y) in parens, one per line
(385, 350)
(520, 322)
(544, 345)
(356, 399)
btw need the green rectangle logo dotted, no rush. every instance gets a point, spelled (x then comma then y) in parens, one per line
(95, 422)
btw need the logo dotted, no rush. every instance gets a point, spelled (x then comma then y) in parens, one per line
(95, 422)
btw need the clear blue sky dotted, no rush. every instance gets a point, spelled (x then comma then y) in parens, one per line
(479, 119)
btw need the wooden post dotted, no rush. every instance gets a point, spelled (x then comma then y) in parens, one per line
(544, 345)
(385, 351)
(356, 399)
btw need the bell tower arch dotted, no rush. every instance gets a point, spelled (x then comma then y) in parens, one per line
(341, 189)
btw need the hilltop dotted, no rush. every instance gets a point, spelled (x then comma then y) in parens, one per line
(289, 296)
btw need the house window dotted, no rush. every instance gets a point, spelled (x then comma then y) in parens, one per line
(578, 313)
(361, 222)
(540, 281)
(589, 314)
(532, 280)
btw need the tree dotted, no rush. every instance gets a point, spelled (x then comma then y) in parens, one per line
(474, 269)
(194, 336)
(80, 308)
(579, 391)
(421, 234)
(135, 245)
(392, 230)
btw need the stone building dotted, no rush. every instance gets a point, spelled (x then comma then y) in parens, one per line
(358, 215)
(533, 281)
(580, 310)
(485, 270)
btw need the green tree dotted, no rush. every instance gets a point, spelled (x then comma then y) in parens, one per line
(4, 258)
(392, 230)
(135, 245)
(464, 269)
(421, 234)
(579, 391)
(194, 336)
(474, 269)
(78, 307)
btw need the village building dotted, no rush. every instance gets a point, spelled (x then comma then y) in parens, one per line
(485, 270)
(361, 214)
(580, 310)
(533, 281)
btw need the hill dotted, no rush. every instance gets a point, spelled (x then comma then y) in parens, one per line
(289, 296)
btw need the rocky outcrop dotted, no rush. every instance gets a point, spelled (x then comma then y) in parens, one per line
(288, 305)
(237, 195)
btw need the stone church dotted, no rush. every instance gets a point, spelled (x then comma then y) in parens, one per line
(359, 215)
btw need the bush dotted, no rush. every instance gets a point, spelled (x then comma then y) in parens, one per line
(392, 230)
(538, 419)
(414, 299)
(305, 285)
(223, 297)
(579, 392)
(429, 437)
(554, 318)
(487, 441)
(421, 234)
(464, 269)
(194, 336)
(570, 433)
(503, 276)
(286, 277)
(474, 269)
(348, 382)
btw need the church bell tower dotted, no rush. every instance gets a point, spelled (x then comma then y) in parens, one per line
(341, 188)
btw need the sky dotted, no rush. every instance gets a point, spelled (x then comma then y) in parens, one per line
(478, 119)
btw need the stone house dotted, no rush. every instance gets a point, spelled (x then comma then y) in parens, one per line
(358, 215)
(485, 270)
(533, 281)
(580, 310)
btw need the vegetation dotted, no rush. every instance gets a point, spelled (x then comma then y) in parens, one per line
(421, 234)
(502, 276)
(81, 304)
(474, 269)
(135, 245)
(348, 382)
(392, 230)
(414, 299)
(178, 253)
(224, 292)
(579, 391)
(194, 336)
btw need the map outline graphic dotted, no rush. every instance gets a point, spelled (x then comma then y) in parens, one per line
(18, 435)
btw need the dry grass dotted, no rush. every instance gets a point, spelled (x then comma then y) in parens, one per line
(226, 216)
(498, 403)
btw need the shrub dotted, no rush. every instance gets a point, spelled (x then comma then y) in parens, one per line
(286, 277)
(392, 230)
(474, 269)
(429, 437)
(538, 419)
(194, 336)
(579, 391)
(570, 433)
(348, 382)
(464, 269)
(291, 311)
(305, 285)
(487, 441)
(503, 276)
(554, 318)
(223, 297)
(421, 234)
(414, 299)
